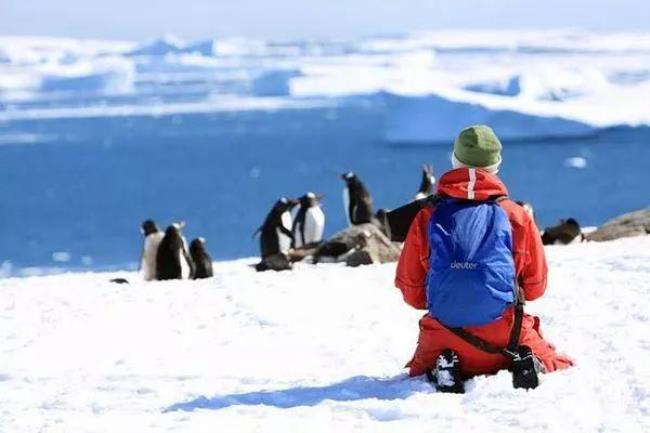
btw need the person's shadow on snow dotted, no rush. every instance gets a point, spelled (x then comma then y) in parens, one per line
(354, 388)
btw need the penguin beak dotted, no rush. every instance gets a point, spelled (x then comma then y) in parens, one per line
(293, 202)
(320, 197)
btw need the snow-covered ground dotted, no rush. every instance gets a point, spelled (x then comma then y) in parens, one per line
(317, 349)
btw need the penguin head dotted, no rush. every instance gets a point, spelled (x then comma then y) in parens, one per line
(149, 227)
(173, 233)
(527, 207)
(285, 204)
(428, 180)
(310, 200)
(197, 244)
(349, 177)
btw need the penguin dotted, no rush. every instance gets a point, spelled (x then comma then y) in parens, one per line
(309, 224)
(564, 233)
(201, 259)
(276, 233)
(527, 207)
(357, 201)
(173, 261)
(152, 238)
(426, 184)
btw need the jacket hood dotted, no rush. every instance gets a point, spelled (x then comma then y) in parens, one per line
(471, 184)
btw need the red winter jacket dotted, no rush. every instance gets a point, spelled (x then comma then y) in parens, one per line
(531, 271)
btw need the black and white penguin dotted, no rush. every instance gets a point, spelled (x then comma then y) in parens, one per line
(152, 238)
(427, 183)
(201, 259)
(276, 233)
(527, 207)
(173, 261)
(357, 201)
(564, 233)
(309, 224)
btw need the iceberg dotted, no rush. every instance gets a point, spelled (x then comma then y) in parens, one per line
(434, 118)
(159, 47)
(108, 75)
(274, 83)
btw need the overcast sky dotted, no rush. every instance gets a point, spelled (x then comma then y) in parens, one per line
(282, 19)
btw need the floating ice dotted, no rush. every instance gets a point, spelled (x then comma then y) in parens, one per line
(110, 75)
(159, 47)
(575, 162)
(273, 83)
(61, 256)
(433, 118)
(571, 82)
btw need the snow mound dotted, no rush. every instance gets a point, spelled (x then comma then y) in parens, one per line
(321, 347)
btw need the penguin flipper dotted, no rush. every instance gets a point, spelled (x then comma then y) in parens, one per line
(286, 231)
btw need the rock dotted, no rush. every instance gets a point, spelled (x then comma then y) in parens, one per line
(298, 254)
(359, 258)
(119, 281)
(358, 245)
(630, 224)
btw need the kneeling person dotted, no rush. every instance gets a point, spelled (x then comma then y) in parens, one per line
(471, 257)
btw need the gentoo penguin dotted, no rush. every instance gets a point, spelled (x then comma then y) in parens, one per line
(173, 261)
(201, 259)
(152, 238)
(563, 233)
(427, 183)
(309, 223)
(276, 233)
(357, 202)
(527, 207)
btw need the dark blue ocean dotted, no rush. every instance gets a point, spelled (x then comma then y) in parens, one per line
(87, 188)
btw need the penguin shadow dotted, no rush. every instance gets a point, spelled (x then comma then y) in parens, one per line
(352, 389)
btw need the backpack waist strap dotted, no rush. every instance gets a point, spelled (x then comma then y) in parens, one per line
(513, 343)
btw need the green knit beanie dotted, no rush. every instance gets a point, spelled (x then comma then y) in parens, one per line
(478, 146)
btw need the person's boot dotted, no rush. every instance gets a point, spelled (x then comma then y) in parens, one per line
(525, 369)
(446, 375)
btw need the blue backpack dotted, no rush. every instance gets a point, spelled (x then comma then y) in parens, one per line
(471, 279)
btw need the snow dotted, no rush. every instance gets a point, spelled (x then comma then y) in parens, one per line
(320, 348)
(553, 78)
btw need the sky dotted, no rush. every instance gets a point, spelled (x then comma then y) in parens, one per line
(287, 19)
